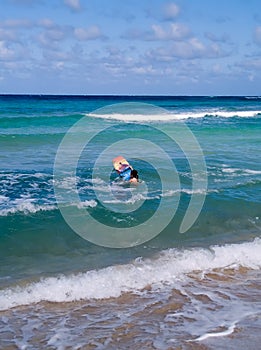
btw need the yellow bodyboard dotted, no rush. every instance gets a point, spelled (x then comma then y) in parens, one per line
(120, 163)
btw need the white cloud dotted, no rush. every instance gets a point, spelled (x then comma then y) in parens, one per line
(196, 45)
(46, 23)
(175, 31)
(217, 38)
(194, 48)
(74, 5)
(251, 64)
(170, 11)
(159, 33)
(90, 33)
(217, 68)
(50, 37)
(5, 52)
(171, 31)
(59, 65)
(147, 70)
(135, 34)
(55, 34)
(16, 23)
(9, 35)
(189, 49)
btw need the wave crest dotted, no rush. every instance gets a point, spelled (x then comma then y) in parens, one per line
(169, 267)
(175, 116)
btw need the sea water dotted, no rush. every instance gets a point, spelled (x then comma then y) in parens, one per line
(89, 262)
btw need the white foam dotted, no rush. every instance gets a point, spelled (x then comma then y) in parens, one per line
(172, 116)
(26, 207)
(133, 199)
(88, 203)
(66, 183)
(198, 191)
(3, 199)
(240, 171)
(253, 97)
(254, 172)
(29, 207)
(241, 114)
(169, 267)
(227, 331)
(169, 193)
(136, 117)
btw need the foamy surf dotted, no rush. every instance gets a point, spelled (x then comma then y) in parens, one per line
(29, 206)
(173, 116)
(169, 268)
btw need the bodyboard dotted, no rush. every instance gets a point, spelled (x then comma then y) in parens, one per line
(120, 164)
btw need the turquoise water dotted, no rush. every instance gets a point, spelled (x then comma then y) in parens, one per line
(40, 249)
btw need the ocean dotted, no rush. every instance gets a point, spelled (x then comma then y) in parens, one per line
(88, 261)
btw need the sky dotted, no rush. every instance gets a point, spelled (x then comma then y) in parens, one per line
(130, 47)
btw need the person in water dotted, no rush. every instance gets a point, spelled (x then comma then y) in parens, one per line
(127, 173)
(134, 177)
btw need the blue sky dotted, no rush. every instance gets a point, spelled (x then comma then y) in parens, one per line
(185, 47)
